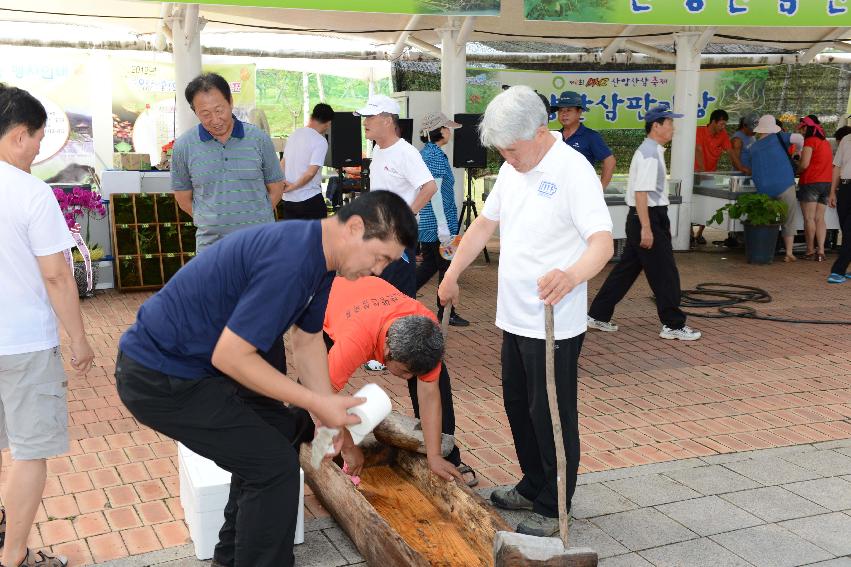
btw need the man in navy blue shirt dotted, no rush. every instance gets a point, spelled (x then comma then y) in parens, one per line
(586, 141)
(195, 364)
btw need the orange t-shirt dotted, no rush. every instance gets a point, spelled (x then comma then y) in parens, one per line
(357, 318)
(713, 146)
(820, 169)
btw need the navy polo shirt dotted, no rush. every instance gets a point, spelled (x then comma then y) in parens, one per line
(257, 282)
(589, 143)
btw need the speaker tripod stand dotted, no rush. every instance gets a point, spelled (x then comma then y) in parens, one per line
(469, 208)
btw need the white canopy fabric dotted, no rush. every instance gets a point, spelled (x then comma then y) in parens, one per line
(143, 17)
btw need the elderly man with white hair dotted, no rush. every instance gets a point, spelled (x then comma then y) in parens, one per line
(555, 234)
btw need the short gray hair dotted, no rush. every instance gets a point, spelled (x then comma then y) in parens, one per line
(513, 115)
(417, 342)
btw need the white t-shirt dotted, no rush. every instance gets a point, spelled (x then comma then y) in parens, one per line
(545, 218)
(31, 225)
(648, 174)
(399, 169)
(842, 159)
(305, 147)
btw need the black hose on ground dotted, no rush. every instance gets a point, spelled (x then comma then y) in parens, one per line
(727, 298)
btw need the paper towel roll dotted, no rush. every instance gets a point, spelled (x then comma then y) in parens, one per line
(372, 412)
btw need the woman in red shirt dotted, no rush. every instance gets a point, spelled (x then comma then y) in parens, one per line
(816, 170)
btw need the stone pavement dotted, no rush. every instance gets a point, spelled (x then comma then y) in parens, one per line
(746, 385)
(767, 508)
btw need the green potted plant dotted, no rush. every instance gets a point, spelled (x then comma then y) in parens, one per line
(761, 217)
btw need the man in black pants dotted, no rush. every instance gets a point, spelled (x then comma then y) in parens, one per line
(840, 197)
(304, 156)
(648, 237)
(555, 233)
(194, 365)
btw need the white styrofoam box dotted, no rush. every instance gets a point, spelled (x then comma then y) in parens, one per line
(204, 490)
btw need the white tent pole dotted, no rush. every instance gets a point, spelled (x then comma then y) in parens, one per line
(186, 52)
(453, 82)
(686, 86)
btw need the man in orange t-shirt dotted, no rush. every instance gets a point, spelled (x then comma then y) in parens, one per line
(711, 142)
(369, 319)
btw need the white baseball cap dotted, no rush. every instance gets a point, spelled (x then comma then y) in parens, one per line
(378, 104)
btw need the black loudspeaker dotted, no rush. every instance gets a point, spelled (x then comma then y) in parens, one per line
(468, 150)
(406, 127)
(344, 141)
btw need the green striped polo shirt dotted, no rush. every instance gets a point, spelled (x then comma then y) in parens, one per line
(228, 181)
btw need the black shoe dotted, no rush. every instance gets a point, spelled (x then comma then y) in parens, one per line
(457, 321)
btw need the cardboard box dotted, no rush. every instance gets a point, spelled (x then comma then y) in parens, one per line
(204, 490)
(131, 161)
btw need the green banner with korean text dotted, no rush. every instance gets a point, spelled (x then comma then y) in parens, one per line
(620, 99)
(436, 7)
(756, 13)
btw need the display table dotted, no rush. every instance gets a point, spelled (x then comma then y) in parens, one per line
(615, 195)
(716, 189)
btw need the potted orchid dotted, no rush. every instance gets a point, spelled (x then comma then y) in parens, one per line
(76, 203)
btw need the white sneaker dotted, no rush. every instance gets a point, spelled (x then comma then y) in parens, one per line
(606, 326)
(684, 334)
(374, 366)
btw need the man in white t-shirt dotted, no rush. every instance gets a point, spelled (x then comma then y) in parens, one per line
(38, 286)
(555, 234)
(397, 167)
(304, 156)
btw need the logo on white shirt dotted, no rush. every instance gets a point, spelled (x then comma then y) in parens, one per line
(547, 189)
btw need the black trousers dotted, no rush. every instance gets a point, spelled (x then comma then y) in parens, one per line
(447, 409)
(843, 209)
(309, 209)
(433, 263)
(524, 391)
(403, 275)
(246, 434)
(658, 265)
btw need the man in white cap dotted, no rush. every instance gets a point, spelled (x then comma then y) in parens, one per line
(396, 167)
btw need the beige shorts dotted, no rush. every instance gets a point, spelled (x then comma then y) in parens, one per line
(33, 406)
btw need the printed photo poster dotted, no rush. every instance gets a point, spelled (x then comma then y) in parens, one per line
(143, 102)
(620, 100)
(63, 85)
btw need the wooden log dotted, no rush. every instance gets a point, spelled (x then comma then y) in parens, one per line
(518, 550)
(378, 543)
(404, 432)
(455, 499)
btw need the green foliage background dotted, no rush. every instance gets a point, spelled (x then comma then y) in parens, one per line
(280, 96)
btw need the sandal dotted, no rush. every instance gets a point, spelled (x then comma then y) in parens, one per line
(466, 469)
(809, 256)
(820, 257)
(790, 259)
(42, 559)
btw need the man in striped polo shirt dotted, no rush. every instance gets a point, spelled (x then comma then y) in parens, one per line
(225, 173)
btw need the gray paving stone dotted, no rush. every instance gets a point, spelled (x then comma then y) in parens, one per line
(832, 493)
(585, 534)
(652, 490)
(713, 479)
(695, 553)
(845, 451)
(839, 562)
(643, 529)
(344, 545)
(709, 515)
(182, 555)
(831, 532)
(757, 454)
(318, 551)
(630, 560)
(826, 463)
(640, 470)
(774, 504)
(771, 546)
(835, 444)
(597, 500)
(772, 471)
